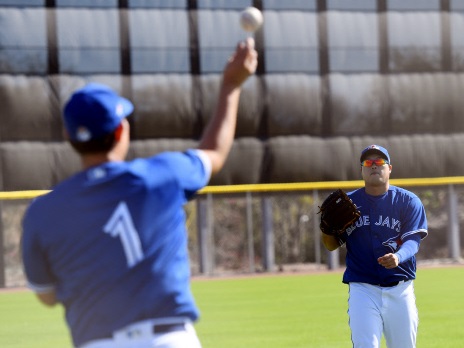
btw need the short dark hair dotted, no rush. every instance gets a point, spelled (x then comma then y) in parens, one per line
(97, 145)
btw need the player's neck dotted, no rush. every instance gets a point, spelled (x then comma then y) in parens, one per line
(117, 153)
(96, 159)
(377, 190)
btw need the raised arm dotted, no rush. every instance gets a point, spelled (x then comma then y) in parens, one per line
(218, 137)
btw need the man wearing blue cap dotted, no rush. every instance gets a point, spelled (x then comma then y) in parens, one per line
(380, 261)
(109, 243)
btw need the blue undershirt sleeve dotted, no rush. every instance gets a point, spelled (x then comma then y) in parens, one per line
(407, 250)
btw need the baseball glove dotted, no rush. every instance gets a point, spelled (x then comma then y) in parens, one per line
(337, 213)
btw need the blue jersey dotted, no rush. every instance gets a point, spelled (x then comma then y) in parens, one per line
(112, 242)
(386, 222)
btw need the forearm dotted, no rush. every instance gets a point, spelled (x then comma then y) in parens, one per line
(330, 242)
(219, 134)
(407, 250)
(218, 137)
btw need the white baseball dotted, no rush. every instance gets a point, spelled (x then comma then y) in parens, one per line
(251, 19)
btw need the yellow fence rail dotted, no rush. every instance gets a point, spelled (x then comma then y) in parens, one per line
(283, 187)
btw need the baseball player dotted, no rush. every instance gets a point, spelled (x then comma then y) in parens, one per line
(380, 261)
(109, 243)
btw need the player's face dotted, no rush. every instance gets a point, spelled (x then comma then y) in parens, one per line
(376, 171)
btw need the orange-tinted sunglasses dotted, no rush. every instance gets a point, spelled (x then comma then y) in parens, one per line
(370, 162)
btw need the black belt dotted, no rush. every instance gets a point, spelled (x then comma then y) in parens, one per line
(388, 285)
(161, 328)
(165, 328)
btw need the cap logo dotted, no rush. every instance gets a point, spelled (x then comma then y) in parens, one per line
(83, 134)
(374, 147)
(119, 110)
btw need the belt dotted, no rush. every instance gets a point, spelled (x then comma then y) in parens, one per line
(157, 328)
(130, 334)
(165, 328)
(388, 285)
(392, 284)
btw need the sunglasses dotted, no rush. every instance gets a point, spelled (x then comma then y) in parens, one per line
(370, 162)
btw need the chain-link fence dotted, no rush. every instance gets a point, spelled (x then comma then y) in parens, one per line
(236, 228)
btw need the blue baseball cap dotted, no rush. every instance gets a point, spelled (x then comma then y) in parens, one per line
(375, 149)
(94, 111)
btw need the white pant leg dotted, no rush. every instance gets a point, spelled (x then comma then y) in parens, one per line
(400, 316)
(365, 320)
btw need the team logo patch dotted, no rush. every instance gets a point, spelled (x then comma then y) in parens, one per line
(83, 134)
(393, 243)
(119, 110)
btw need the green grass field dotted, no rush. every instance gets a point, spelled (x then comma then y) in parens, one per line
(264, 312)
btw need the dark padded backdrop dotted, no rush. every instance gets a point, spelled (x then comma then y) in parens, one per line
(317, 100)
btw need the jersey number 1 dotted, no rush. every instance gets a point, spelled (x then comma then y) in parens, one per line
(121, 225)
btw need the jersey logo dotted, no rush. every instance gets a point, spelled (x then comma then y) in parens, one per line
(121, 225)
(393, 243)
(389, 222)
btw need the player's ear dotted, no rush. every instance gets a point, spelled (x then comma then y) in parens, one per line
(118, 132)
